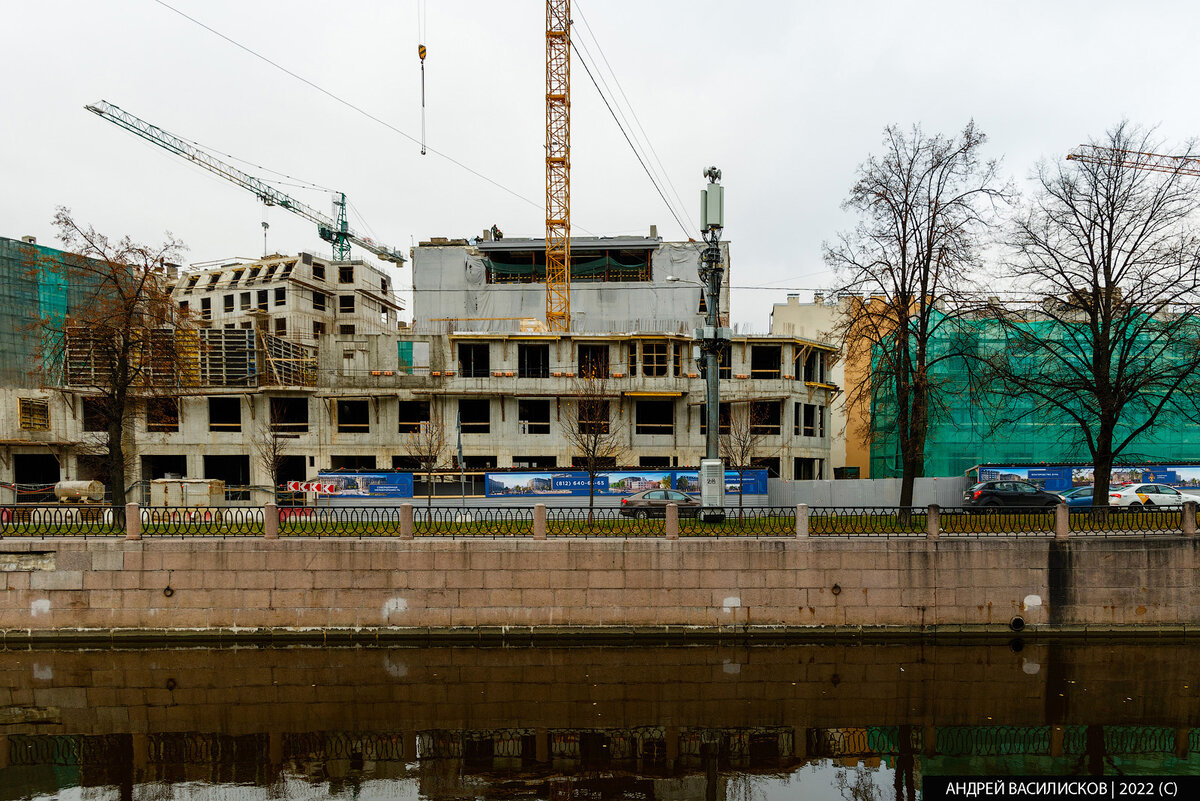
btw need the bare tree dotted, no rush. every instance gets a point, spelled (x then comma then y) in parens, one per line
(1109, 348)
(924, 206)
(123, 341)
(748, 436)
(426, 446)
(271, 447)
(592, 430)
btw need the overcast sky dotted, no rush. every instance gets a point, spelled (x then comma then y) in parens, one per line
(787, 98)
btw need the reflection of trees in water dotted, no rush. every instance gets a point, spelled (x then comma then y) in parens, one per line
(857, 784)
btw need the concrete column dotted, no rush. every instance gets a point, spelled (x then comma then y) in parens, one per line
(933, 522)
(1062, 522)
(270, 521)
(1189, 518)
(133, 522)
(406, 521)
(1056, 741)
(672, 526)
(802, 521)
(1181, 743)
(539, 521)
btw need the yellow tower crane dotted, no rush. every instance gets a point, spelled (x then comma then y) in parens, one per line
(1135, 160)
(558, 165)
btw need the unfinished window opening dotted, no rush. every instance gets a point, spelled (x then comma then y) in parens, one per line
(412, 414)
(479, 462)
(593, 416)
(765, 361)
(535, 462)
(593, 361)
(354, 416)
(654, 462)
(205, 308)
(345, 304)
(806, 419)
(183, 305)
(724, 418)
(95, 418)
(280, 296)
(270, 272)
(212, 281)
(34, 414)
(237, 277)
(533, 361)
(162, 414)
(281, 326)
(602, 462)
(318, 271)
(191, 283)
(768, 463)
(345, 274)
(475, 415)
(529, 266)
(679, 359)
(352, 462)
(474, 360)
(287, 270)
(654, 359)
(808, 469)
(654, 417)
(765, 417)
(263, 299)
(633, 358)
(319, 301)
(318, 328)
(254, 271)
(724, 363)
(234, 471)
(228, 299)
(248, 324)
(224, 414)
(346, 330)
(244, 301)
(533, 416)
(289, 415)
(814, 367)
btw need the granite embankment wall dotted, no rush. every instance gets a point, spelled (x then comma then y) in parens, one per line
(428, 587)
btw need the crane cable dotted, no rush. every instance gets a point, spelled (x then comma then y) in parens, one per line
(422, 17)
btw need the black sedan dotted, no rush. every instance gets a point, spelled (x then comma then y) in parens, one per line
(1009, 494)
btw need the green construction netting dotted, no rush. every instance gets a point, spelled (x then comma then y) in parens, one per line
(534, 264)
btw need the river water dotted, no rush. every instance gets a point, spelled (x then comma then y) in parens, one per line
(832, 721)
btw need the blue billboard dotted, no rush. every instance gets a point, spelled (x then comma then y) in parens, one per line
(1058, 478)
(369, 485)
(614, 482)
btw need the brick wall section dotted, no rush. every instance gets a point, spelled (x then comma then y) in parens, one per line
(432, 583)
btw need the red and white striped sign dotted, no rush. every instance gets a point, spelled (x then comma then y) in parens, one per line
(312, 486)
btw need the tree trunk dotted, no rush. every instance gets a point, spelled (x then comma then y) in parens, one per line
(429, 489)
(116, 467)
(591, 498)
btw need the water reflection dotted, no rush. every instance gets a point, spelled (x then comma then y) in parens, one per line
(833, 721)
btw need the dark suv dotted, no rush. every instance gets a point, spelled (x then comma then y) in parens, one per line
(1010, 494)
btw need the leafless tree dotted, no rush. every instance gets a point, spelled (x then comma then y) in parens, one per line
(427, 447)
(123, 341)
(925, 205)
(747, 437)
(1109, 346)
(591, 428)
(271, 447)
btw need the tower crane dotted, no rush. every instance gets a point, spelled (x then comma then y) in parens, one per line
(337, 232)
(558, 165)
(1154, 162)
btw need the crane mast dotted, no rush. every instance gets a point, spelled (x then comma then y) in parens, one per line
(336, 232)
(558, 165)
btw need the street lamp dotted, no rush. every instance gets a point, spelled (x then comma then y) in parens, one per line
(713, 339)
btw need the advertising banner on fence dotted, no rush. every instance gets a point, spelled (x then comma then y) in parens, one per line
(369, 485)
(614, 482)
(1058, 478)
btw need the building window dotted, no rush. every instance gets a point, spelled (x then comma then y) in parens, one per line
(254, 271)
(224, 414)
(237, 277)
(475, 415)
(765, 418)
(280, 296)
(654, 358)
(281, 326)
(724, 364)
(319, 301)
(809, 420)
(183, 305)
(228, 303)
(345, 304)
(248, 325)
(289, 415)
(654, 416)
(318, 271)
(535, 462)
(94, 416)
(191, 283)
(263, 299)
(346, 330)
(212, 281)
(474, 360)
(593, 361)
(412, 414)
(244, 297)
(270, 272)
(533, 361)
(205, 308)
(765, 361)
(533, 416)
(34, 414)
(346, 274)
(680, 361)
(808, 469)
(593, 416)
(353, 416)
(814, 367)
(724, 418)
(162, 414)
(318, 328)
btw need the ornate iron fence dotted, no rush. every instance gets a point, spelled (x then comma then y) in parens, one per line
(485, 521)
(215, 521)
(606, 521)
(748, 521)
(998, 522)
(865, 521)
(60, 520)
(1117, 521)
(340, 521)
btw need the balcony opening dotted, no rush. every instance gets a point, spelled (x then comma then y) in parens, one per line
(353, 416)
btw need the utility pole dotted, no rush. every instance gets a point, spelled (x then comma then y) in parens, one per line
(713, 339)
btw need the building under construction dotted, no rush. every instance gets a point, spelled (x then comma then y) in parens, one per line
(307, 356)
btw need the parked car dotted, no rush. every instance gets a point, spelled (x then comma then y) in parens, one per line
(1135, 496)
(1011, 494)
(1080, 496)
(653, 503)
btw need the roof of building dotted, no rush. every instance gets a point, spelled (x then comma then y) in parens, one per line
(577, 243)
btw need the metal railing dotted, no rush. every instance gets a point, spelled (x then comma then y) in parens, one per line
(1010, 521)
(202, 521)
(60, 520)
(496, 521)
(1116, 521)
(866, 521)
(602, 521)
(742, 521)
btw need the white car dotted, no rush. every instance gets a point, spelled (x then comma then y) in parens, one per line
(1135, 496)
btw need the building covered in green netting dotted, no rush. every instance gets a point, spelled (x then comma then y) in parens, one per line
(977, 427)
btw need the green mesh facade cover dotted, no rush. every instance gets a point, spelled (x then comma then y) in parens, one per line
(32, 289)
(966, 432)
